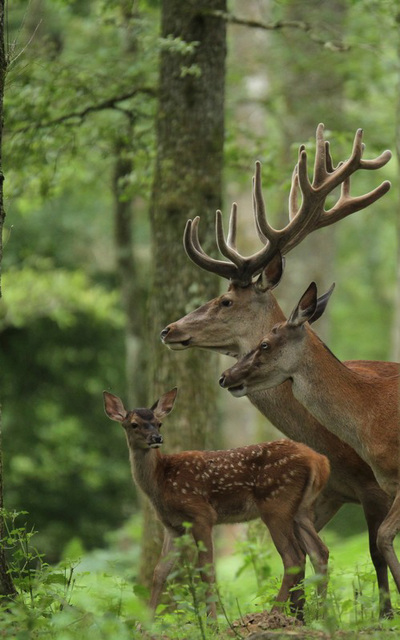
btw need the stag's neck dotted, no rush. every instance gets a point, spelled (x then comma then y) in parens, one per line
(145, 464)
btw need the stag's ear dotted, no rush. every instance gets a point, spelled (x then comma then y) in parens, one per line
(271, 274)
(113, 407)
(322, 301)
(305, 308)
(165, 404)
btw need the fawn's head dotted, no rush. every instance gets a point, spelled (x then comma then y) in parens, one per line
(276, 357)
(142, 426)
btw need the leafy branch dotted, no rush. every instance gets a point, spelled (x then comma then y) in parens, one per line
(277, 25)
(109, 103)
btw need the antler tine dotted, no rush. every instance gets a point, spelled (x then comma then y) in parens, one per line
(195, 252)
(223, 246)
(378, 162)
(347, 205)
(265, 231)
(294, 195)
(320, 162)
(231, 240)
(329, 162)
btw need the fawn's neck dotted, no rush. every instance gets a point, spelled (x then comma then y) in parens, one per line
(144, 466)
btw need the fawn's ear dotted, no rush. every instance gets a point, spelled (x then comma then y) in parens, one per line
(113, 407)
(165, 404)
(305, 308)
(322, 301)
(271, 274)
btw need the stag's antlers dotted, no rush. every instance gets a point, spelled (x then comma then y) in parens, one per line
(304, 218)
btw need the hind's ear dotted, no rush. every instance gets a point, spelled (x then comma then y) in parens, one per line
(165, 404)
(113, 407)
(322, 301)
(305, 308)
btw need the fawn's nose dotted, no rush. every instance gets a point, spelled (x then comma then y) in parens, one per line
(156, 438)
(222, 381)
(164, 333)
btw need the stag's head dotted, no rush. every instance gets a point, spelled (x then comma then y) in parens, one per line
(234, 322)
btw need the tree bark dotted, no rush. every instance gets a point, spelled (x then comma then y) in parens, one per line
(396, 324)
(7, 588)
(187, 183)
(132, 295)
(312, 93)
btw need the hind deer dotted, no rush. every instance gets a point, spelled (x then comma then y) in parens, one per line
(360, 409)
(234, 322)
(276, 481)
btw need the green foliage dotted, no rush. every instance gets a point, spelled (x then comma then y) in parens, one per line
(97, 596)
(70, 104)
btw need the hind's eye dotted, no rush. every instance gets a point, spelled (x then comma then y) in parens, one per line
(134, 425)
(265, 346)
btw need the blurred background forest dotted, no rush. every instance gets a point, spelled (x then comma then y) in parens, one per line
(79, 156)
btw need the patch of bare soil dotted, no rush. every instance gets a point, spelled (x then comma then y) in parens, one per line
(264, 625)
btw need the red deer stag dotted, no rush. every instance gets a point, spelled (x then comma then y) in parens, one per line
(234, 323)
(275, 481)
(360, 409)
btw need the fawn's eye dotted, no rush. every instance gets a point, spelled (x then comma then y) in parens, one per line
(226, 302)
(265, 346)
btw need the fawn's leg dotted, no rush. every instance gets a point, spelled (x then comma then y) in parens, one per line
(202, 534)
(313, 546)
(163, 568)
(281, 528)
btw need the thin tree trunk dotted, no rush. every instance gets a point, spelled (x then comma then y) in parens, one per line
(396, 326)
(188, 182)
(6, 584)
(312, 93)
(132, 295)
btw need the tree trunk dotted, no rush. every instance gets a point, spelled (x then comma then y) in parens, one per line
(396, 325)
(187, 183)
(132, 295)
(311, 93)
(6, 585)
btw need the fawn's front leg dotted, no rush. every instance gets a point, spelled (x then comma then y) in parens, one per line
(163, 568)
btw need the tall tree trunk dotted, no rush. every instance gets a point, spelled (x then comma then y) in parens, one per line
(396, 326)
(312, 92)
(6, 585)
(132, 295)
(188, 182)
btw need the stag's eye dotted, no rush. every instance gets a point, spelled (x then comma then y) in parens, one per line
(265, 346)
(226, 302)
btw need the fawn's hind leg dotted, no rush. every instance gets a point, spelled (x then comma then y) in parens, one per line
(281, 528)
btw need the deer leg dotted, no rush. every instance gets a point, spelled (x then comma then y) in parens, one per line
(375, 512)
(163, 568)
(324, 509)
(386, 534)
(313, 546)
(202, 534)
(293, 558)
